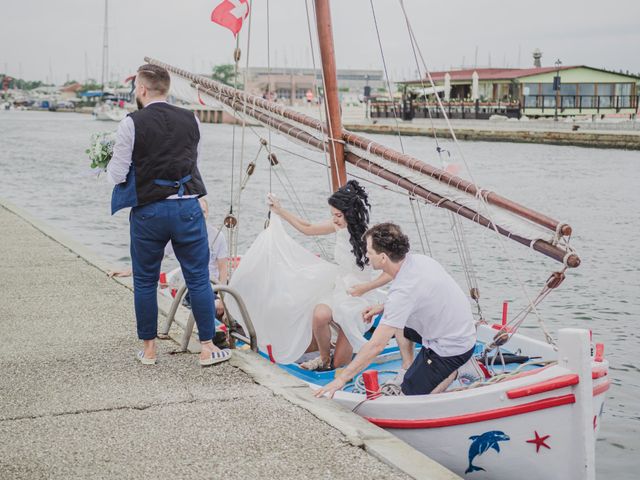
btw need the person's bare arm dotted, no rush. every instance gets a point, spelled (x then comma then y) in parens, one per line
(223, 270)
(303, 226)
(362, 288)
(365, 356)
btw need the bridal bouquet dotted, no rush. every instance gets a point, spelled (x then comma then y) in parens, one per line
(101, 149)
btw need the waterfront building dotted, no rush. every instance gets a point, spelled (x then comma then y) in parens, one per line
(71, 91)
(535, 92)
(296, 86)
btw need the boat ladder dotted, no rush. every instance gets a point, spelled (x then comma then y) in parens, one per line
(235, 332)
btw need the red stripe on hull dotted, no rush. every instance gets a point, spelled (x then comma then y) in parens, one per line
(545, 386)
(474, 417)
(601, 388)
(599, 373)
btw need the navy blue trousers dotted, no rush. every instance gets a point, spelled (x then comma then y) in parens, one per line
(429, 369)
(151, 227)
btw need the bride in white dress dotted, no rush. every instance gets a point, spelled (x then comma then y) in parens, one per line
(295, 298)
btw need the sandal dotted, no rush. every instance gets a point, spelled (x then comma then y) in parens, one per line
(144, 360)
(317, 365)
(216, 357)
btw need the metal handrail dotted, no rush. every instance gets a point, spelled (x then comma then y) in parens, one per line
(252, 340)
(188, 330)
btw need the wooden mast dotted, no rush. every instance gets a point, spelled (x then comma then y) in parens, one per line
(332, 103)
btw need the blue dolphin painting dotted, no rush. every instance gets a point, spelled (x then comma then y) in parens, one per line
(482, 443)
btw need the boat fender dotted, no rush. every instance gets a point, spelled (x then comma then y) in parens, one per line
(371, 384)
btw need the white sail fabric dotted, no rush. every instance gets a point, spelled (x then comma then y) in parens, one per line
(281, 283)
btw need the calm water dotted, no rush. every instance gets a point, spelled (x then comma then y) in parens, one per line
(44, 170)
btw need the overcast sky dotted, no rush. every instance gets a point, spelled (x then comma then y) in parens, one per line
(62, 39)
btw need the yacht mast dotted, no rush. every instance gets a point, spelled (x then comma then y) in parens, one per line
(332, 103)
(105, 47)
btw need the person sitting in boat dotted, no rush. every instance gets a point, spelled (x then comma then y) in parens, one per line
(354, 284)
(424, 305)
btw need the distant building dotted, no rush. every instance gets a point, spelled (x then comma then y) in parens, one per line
(71, 91)
(295, 86)
(579, 90)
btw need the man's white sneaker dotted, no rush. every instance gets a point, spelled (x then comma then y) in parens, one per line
(144, 360)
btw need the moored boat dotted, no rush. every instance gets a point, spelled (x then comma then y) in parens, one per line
(536, 416)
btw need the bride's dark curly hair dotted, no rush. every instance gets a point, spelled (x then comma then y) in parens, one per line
(352, 200)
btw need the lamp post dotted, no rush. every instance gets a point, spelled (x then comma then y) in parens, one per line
(556, 87)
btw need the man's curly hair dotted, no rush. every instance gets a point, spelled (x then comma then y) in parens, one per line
(388, 238)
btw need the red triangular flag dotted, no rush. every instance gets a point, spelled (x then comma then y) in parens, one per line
(230, 14)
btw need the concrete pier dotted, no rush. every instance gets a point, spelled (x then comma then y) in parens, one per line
(593, 136)
(74, 403)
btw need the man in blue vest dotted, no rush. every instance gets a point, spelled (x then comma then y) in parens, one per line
(154, 167)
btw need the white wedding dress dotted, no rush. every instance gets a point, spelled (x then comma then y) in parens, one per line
(281, 282)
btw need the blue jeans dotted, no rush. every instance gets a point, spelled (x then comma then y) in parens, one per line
(152, 226)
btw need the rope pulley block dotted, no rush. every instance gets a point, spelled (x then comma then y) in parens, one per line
(230, 221)
(251, 168)
(555, 279)
(475, 294)
(263, 142)
(237, 53)
(273, 160)
(501, 337)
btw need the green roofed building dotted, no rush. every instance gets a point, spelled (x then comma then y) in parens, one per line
(535, 92)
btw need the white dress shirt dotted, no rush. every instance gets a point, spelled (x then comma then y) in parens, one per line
(120, 162)
(425, 298)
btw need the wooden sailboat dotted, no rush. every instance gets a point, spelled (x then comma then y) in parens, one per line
(533, 419)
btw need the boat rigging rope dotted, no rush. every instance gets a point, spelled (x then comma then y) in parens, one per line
(424, 227)
(412, 200)
(422, 232)
(386, 75)
(286, 184)
(512, 326)
(244, 111)
(270, 93)
(456, 225)
(480, 197)
(501, 376)
(382, 186)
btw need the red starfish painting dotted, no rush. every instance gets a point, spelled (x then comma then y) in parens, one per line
(539, 441)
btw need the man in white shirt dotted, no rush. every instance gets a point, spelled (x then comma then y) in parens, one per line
(424, 305)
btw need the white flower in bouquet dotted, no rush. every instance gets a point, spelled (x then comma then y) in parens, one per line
(101, 149)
